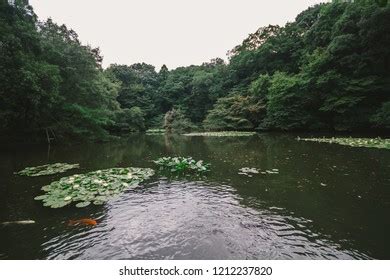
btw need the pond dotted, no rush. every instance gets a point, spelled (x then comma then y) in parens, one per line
(326, 201)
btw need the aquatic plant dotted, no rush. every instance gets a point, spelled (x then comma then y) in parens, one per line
(222, 134)
(246, 170)
(353, 142)
(94, 187)
(272, 171)
(178, 164)
(250, 171)
(156, 131)
(47, 169)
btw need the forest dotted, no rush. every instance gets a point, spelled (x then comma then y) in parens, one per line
(329, 70)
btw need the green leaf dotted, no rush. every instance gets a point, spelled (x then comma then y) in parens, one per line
(97, 186)
(176, 164)
(48, 169)
(83, 204)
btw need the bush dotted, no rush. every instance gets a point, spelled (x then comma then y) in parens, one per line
(129, 120)
(175, 121)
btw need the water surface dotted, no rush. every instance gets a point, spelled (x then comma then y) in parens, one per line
(327, 202)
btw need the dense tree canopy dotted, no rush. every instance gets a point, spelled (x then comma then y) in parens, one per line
(329, 69)
(49, 80)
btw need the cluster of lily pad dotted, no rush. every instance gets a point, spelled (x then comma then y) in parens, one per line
(222, 134)
(94, 187)
(272, 171)
(47, 169)
(247, 171)
(155, 131)
(353, 142)
(178, 164)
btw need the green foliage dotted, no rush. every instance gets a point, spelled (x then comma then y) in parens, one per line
(235, 112)
(382, 117)
(222, 134)
(192, 87)
(329, 69)
(182, 164)
(288, 103)
(47, 169)
(95, 187)
(129, 120)
(157, 121)
(83, 122)
(175, 121)
(250, 171)
(155, 131)
(138, 89)
(353, 142)
(50, 80)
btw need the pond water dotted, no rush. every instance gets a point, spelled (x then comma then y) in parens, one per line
(327, 202)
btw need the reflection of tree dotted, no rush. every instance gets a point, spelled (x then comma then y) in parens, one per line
(90, 156)
(177, 144)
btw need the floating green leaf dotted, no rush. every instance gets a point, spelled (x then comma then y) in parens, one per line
(155, 131)
(48, 169)
(94, 187)
(246, 170)
(353, 142)
(41, 197)
(251, 171)
(177, 164)
(83, 204)
(222, 134)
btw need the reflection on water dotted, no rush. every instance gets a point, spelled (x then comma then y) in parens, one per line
(327, 202)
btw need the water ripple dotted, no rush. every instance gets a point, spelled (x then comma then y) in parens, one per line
(192, 220)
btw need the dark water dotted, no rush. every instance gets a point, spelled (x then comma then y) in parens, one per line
(224, 215)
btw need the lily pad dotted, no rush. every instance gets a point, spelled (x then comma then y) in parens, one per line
(178, 164)
(352, 142)
(273, 171)
(246, 170)
(155, 131)
(47, 169)
(94, 187)
(83, 204)
(222, 134)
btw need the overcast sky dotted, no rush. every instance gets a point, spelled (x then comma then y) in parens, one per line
(171, 32)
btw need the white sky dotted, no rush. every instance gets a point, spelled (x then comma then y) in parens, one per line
(174, 32)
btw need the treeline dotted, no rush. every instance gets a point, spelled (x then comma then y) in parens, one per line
(49, 81)
(327, 70)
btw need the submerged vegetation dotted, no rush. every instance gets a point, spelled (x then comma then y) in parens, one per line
(47, 169)
(95, 187)
(328, 69)
(221, 134)
(353, 142)
(182, 164)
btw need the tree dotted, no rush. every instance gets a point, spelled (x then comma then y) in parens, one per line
(235, 112)
(328, 69)
(175, 121)
(138, 87)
